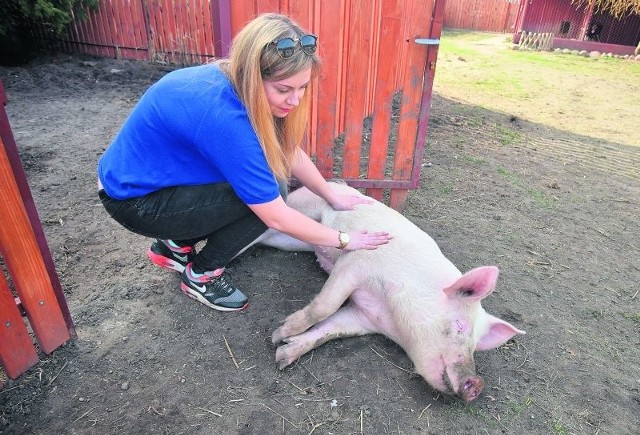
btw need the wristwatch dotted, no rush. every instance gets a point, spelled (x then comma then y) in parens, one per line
(344, 239)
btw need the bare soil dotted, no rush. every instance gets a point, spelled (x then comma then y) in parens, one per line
(556, 211)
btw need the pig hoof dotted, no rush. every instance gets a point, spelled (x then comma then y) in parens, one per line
(277, 336)
(282, 359)
(471, 388)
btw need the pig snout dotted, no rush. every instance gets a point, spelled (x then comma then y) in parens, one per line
(471, 388)
(460, 379)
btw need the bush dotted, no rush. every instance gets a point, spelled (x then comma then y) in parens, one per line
(16, 16)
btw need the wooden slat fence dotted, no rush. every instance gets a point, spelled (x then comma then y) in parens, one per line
(482, 15)
(165, 31)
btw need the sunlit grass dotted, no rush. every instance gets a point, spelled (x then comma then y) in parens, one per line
(593, 97)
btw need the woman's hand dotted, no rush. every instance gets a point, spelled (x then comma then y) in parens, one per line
(347, 202)
(365, 240)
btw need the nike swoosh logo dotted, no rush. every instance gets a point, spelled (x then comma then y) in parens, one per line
(200, 288)
(181, 257)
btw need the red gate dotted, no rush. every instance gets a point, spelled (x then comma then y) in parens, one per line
(28, 262)
(371, 103)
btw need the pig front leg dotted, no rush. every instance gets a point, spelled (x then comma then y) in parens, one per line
(336, 290)
(346, 322)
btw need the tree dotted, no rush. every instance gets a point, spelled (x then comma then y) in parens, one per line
(18, 16)
(54, 15)
(617, 8)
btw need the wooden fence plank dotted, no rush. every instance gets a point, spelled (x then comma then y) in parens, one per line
(330, 49)
(200, 40)
(357, 79)
(17, 352)
(241, 12)
(170, 31)
(110, 30)
(207, 30)
(22, 256)
(131, 18)
(99, 18)
(388, 47)
(425, 104)
(411, 97)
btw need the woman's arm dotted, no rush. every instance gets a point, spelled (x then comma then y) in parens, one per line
(307, 173)
(278, 216)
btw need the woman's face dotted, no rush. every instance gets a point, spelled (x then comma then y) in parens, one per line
(284, 95)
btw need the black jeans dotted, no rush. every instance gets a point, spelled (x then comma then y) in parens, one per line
(188, 214)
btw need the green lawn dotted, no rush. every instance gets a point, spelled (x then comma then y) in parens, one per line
(594, 97)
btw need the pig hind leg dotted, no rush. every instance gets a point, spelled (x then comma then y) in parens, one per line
(343, 323)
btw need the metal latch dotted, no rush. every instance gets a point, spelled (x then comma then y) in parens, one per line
(423, 41)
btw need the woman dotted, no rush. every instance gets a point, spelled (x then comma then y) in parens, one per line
(206, 154)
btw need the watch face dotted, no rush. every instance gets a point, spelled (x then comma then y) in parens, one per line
(344, 239)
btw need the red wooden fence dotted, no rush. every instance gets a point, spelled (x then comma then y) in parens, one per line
(28, 262)
(482, 15)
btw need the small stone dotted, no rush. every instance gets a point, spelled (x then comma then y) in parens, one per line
(125, 385)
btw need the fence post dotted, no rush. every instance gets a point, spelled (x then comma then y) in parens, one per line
(17, 353)
(32, 213)
(221, 20)
(148, 30)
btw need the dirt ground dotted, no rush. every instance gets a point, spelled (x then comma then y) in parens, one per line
(557, 212)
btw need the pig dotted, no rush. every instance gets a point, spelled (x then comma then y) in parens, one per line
(406, 290)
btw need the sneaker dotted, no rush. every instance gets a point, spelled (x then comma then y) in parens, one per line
(165, 253)
(213, 289)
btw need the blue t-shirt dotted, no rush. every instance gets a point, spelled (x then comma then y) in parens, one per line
(189, 128)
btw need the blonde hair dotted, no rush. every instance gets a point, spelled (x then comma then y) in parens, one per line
(252, 59)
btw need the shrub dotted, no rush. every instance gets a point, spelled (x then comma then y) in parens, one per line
(16, 16)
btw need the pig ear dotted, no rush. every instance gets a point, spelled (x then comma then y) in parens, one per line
(498, 333)
(477, 283)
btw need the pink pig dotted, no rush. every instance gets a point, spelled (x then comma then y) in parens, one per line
(406, 290)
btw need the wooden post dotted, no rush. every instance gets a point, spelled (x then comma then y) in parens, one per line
(21, 253)
(221, 22)
(17, 353)
(20, 179)
(148, 30)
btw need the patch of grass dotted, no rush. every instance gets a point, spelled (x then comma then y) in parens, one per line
(559, 427)
(518, 407)
(508, 136)
(474, 160)
(445, 190)
(509, 412)
(512, 177)
(539, 197)
(634, 317)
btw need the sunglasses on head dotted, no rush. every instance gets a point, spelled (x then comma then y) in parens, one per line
(287, 47)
